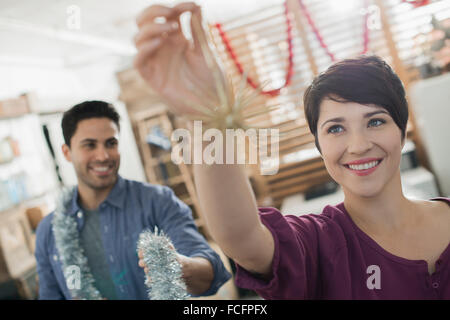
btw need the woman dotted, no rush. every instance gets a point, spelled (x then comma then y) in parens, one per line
(377, 244)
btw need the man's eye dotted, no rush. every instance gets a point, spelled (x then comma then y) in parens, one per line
(90, 145)
(376, 122)
(111, 143)
(335, 129)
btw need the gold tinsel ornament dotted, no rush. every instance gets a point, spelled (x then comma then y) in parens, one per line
(228, 109)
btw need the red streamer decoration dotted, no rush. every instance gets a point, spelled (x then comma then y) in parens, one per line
(320, 38)
(417, 3)
(250, 81)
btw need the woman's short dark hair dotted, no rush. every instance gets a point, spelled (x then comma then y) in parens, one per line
(364, 80)
(83, 111)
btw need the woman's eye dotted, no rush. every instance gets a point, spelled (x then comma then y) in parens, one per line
(335, 129)
(376, 122)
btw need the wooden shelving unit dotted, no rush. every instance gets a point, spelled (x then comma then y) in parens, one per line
(22, 193)
(158, 165)
(146, 112)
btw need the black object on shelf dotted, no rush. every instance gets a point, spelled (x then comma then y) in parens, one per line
(52, 153)
(8, 291)
(163, 169)
(321, 190)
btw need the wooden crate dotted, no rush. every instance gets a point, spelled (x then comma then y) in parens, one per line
(28, 285)
(16, 253)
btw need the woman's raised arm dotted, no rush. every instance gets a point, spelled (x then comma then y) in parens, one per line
(176, 68)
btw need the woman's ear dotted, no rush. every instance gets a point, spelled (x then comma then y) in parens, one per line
(403, 141)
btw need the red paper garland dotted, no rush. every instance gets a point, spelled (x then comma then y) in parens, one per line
(250, 81)
(320, 38)
(417, 3)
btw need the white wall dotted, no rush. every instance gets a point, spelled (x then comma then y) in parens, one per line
(430, 100)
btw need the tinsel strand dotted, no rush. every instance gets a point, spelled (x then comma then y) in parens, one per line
(70, 251)
(164, 279)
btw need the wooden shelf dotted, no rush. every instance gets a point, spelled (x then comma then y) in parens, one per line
(158, 164)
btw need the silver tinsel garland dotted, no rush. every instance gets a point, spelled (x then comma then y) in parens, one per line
(165, 270)
(71, 253)
(166, 282)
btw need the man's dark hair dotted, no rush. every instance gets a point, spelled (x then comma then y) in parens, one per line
(83, 111)
(364, 80)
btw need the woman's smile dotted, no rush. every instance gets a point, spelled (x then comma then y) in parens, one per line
(363, 167)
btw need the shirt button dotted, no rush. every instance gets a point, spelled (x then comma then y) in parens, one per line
(435, 285)
(80, 214)
(55, 257)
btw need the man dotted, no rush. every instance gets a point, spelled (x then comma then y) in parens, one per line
(110, 213)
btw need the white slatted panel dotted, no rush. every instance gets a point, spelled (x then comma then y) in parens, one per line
(259, 40)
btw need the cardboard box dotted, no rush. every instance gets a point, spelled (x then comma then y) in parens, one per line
(14, 107)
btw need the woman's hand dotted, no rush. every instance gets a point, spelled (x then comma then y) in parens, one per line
(173, 66)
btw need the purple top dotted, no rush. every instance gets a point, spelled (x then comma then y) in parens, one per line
(326, 256)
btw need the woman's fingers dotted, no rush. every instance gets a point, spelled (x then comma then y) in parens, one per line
(158, 11)
(196, 14)
(151, 13)
(145, 51)
(185, 6)
(154, 30)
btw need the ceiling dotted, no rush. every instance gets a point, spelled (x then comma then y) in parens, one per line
(48, 32)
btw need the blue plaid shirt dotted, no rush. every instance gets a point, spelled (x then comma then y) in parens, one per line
(130, 208)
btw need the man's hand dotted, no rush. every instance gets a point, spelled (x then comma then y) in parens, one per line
(173, 66)
(181, 259)
(197, 272)
(143, 265)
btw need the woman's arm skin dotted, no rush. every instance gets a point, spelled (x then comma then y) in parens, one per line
(231, 215)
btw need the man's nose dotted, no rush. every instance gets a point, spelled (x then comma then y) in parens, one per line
(101, 154)
(359, 143)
